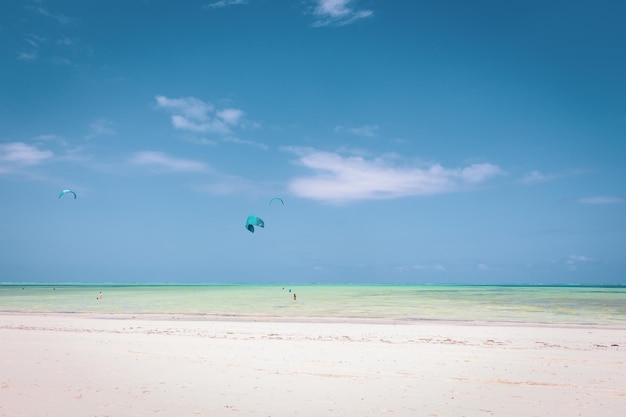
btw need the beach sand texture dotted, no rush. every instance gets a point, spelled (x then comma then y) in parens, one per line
(120, 365)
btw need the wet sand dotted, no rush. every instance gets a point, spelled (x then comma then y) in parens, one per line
(123, 365)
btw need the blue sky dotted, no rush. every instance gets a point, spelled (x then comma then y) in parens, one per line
(411, 141)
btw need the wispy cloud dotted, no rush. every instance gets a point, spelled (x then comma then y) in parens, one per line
(34, 42)
(65, 41)
(246, 142)
(47, 137)
(22, 153)
(536, 177)
(16, 155)
(601, 200)
(338, 13)
(367, 130)
(163, 161)
(27, 56)
(342, 179)
(55, 47)
(200, 140)
(65, 150)
(223, 3)
(419, 267)
(573, 261)
(74, 46)
(223, 184)
(101, 127)
(59, 17)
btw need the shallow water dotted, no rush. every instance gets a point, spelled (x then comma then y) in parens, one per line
(534, 304)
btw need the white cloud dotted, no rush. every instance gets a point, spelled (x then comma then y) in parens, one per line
(230, 116)
(476, 173)
(367, 130)
(192, 114)
(167, 162)
(17, 154)
(212, 126)
(224, 3)
(338, 13)
(341, 179)
(189, 107)
(601, 200)
(482, 267)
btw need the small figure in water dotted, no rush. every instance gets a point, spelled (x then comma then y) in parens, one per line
(99, 296)
(294, 296)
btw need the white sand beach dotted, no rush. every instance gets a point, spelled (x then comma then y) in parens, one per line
(119, 365)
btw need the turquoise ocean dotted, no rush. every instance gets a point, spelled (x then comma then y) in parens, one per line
(481, 303)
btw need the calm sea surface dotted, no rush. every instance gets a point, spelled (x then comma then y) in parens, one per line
(536, 304)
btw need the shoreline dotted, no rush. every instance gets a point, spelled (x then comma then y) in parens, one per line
(208, 317)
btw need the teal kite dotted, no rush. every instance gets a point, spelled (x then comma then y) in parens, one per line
(254, 221)
(277, 199)
(62, 193)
